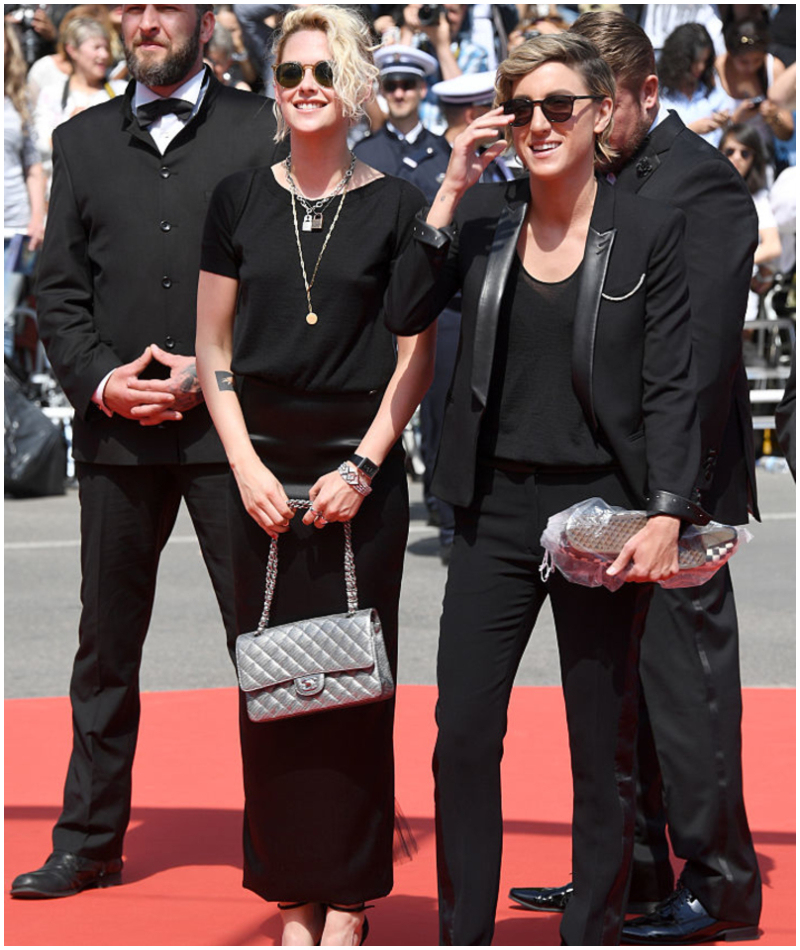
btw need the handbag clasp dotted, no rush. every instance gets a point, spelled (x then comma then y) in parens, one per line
(309, 685)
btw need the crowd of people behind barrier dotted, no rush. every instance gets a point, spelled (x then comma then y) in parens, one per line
(722, 68)
(719, 65)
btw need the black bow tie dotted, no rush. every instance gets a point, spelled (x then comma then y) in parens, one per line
(152, 111)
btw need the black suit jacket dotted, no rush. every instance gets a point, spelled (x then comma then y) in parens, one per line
(121, 258)
(631, 340)
(679, 167)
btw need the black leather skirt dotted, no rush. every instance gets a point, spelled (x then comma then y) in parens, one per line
(319, 790)
(301, 435)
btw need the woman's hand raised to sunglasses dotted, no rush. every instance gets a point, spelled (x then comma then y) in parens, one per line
(467, 165)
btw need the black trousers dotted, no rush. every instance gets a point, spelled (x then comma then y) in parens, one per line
(690, 753)
(493, 596)
(127, 515)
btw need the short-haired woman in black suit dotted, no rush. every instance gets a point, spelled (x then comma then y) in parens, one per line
(572, 381)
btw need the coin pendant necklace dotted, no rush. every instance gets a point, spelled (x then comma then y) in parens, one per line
(311, 317)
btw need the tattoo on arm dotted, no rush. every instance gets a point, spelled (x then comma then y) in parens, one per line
(225, 380)
(187, 392)
(189, 383)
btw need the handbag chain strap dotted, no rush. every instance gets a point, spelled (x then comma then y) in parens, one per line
(351, 587)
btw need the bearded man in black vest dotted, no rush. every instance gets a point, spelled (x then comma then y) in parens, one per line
(117, 295)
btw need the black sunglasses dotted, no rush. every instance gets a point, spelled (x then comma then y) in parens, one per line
(555, 108)
(291, 74)
(390, 85)
(729, 151)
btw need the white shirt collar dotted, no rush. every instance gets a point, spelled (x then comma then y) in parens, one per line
(409, 137)
(190, 91)
(164, 130)
(663, 113)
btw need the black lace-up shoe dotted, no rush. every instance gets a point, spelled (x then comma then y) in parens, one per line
(64, 874)
(682, 919)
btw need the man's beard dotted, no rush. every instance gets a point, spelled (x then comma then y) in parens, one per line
(631, 147)
(169, 71)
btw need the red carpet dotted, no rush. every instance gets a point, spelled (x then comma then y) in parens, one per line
(182, 875)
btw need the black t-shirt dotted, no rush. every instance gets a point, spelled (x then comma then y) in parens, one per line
(249, 236)
(532, 413)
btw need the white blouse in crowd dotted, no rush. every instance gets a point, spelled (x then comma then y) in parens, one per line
(57, 102)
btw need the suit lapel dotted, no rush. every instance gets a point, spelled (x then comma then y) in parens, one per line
(130, 123)
(498, 265)
(599, 243)
(648, 158)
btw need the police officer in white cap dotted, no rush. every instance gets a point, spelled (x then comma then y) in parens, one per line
(462, 100)
(404, 147)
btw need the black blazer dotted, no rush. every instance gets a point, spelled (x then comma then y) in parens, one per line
(679, 167)
(121, 258)
(631, 341)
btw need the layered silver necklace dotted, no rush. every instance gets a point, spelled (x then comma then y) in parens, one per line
(313, 221)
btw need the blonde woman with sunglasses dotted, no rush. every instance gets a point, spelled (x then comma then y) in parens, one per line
(310, 394)
(572, 381)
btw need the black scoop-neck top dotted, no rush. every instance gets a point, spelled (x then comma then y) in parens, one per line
(249, 236)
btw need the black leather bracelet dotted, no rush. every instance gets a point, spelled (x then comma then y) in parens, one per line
(666, 503)
(437, 238)
(365, 465)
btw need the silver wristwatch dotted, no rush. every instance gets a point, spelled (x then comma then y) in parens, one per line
(367, 466)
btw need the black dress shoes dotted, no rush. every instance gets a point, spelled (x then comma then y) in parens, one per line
(64, 874)
(554, 899)
(682, 919)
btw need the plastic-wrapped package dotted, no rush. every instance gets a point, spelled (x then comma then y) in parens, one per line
(584, 540)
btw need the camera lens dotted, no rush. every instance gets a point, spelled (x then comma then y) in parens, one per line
(429, 14)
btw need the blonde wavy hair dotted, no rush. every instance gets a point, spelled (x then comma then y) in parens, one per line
(15, 73)
(350, 43)
(572, 50)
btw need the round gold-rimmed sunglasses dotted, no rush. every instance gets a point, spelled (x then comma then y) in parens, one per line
(556, 108)
(291, 74)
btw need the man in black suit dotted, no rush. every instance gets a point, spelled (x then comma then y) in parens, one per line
(117, 299)
(689, 751)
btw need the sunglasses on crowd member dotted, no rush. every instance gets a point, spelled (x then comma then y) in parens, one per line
(556, 108)
(291, 74)
(391, 85)
(730, 150)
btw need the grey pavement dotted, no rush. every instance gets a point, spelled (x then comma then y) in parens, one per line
(185, 647)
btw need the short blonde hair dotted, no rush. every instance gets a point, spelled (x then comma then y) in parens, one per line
(350, 43)
(572, 50)
(83, 28)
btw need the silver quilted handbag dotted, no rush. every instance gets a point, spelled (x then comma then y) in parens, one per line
(311, 665)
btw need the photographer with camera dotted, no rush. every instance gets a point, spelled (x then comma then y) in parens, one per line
(38, 26)
(444, 31)
(446, 27)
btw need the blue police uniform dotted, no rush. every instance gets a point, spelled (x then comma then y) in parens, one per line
(423, 162)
